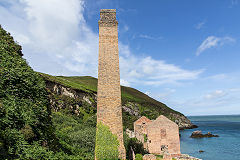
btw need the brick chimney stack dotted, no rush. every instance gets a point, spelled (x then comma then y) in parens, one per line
(109, 108)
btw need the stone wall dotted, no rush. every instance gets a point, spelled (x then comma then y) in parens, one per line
(160, 136)
(140, 128)
(163, 136)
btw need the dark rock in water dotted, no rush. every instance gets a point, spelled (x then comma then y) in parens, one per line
(201, 151)
(189, 127)
(198, 134)
(192, 126)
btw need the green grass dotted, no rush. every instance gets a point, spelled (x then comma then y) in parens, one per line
(159, 157)
(89, 84)
(146, 105)
(85, 83)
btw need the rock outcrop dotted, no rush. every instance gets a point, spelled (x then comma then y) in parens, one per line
(198, 134)
(182, 121)
(74, 99)
(186, 157)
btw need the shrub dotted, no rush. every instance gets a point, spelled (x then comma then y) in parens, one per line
(24, 101)
(136, 146)
(27, 132)
(36, 151)
(139, 157)
(77, 138)
(106, 143)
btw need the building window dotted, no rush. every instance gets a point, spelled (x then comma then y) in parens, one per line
(163, 133)
(164, 148)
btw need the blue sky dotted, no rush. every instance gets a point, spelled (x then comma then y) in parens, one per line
(183, 53)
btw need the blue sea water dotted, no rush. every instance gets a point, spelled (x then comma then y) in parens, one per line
(224, 147)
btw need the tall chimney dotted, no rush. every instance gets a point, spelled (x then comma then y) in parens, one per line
(109, 108)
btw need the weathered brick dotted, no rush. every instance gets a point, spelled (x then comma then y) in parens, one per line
(162, 135)
(109, 110)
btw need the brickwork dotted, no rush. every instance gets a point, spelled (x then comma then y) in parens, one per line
(140, 128)
(162, 135)
(109, 110)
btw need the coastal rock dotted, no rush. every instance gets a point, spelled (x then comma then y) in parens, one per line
(185, 157)
(198, 134)
(182, 121)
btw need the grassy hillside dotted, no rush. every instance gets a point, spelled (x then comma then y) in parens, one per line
(132, 98)
(39, 119)
(89, 84)
(28, 127)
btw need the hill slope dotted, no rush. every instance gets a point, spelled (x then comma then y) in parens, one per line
(24, 106)
(47, 117)
(135, 104)
(28, 127)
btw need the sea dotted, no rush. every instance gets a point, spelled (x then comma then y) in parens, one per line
(224, 147)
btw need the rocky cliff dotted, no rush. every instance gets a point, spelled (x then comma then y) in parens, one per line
(78, 95)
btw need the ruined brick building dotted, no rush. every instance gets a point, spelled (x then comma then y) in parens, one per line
(158, 136)
(109, 109)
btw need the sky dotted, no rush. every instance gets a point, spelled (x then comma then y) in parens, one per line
(183, 53)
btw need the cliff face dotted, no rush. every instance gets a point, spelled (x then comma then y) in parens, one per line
(81, 100)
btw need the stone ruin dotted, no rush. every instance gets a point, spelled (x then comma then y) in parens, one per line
(160, 136)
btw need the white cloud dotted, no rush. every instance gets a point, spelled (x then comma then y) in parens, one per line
(234, 90)
(54, 29)
(217, 102)
(56, 39)
(124, 49)
(164, 95)
(55, 33)
(213, 41)
(148, 93)
(215, 94)
(148, 71)
(150, 37)
(20, 38)
(218, 77)
(233, 3)
(124, 83)
(200, 25)
(125, 28)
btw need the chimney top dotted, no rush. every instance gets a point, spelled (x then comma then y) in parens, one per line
(108, 16)
(107, 10)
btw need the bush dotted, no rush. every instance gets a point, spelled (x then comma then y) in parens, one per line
(23, 101)
(106, 143)
(36, 151)
(27, 132)
(77, 138)
(135, 144)
(139, 157)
